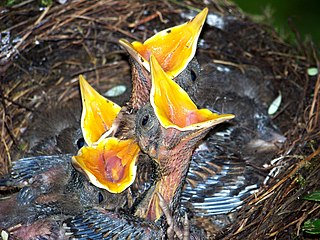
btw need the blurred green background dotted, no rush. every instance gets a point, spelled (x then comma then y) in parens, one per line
(305, 15)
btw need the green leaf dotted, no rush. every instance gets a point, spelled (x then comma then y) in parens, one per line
(312, 71)
(46, 3)
(315, 196)
(312, 226)
(10, 3)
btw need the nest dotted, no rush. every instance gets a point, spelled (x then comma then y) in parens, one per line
(44, 50)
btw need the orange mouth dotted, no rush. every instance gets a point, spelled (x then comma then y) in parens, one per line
(173, 106)
(98, 113)
(110, 164)
(174, 47)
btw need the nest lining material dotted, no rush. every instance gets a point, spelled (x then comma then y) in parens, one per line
(44, 51)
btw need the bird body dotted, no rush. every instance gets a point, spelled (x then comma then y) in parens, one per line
(51, 190)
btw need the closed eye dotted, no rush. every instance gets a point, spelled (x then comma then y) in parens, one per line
(101, 198)
(193, 75)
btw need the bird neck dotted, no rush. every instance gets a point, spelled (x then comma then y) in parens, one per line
(173, 168)
(168, 187)
(173, 156)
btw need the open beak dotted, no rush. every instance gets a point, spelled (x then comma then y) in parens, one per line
(173, 106)
(98, 113)
(110, 164)
(174, 47)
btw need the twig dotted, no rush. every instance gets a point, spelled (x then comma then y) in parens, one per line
(288, 176)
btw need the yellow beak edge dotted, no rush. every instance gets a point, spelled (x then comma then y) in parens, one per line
(98, 113)
(174, 47)
(173, 106)
(110, 165)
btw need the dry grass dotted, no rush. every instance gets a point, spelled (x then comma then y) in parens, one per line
(63, 41)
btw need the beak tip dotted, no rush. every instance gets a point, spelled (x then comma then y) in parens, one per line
(124, 43)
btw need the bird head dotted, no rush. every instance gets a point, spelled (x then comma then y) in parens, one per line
(108, 162)
(171, 117)
(168, 129)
